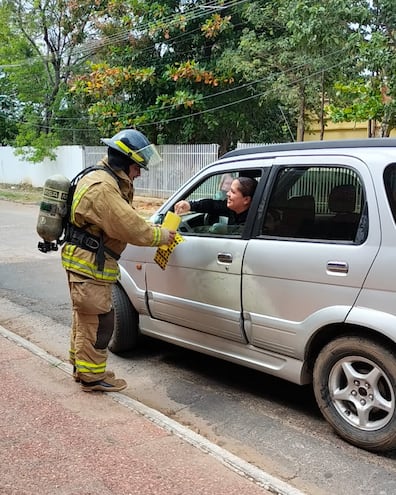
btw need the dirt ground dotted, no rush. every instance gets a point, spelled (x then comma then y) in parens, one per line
(31, 195)
(147, 206)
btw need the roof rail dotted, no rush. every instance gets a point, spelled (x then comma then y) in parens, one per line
(314, 145)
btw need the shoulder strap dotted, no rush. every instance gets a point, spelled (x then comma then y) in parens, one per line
(92, 168)
(80, 175)
(66, 224)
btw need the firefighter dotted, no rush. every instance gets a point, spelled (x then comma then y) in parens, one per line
(102, 222)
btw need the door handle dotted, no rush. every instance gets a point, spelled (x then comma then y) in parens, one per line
(224, 258)
(337, 266)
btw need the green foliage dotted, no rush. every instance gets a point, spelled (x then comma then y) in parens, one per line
(250, 71)
(35, 147)
(371, 95)
(357, 102)
(39, 47)
(192, 93)
(298, 49)
(8, 112)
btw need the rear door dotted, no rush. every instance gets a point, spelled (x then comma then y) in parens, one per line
(309, 260)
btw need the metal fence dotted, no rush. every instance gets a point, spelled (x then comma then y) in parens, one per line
(319, 182)
(179, 163)
(182, 161)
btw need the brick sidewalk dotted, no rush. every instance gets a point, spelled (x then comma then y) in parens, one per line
(57, 440)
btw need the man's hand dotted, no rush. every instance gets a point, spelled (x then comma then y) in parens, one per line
(182, 207)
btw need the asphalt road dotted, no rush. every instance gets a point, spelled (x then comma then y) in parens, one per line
(268, 422)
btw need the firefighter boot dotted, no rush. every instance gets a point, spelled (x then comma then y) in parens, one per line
(108, 384)
(76, 378)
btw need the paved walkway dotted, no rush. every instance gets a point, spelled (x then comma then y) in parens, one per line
(57, 440)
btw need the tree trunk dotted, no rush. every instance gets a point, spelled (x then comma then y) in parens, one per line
(301, 117)
(321, 113)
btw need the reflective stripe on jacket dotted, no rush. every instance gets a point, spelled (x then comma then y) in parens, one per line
(74, 262)
(104, 207)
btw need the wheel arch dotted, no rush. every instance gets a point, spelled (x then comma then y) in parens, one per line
(333, 331)
(134, 288)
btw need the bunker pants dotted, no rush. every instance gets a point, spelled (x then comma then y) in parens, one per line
(92, 326)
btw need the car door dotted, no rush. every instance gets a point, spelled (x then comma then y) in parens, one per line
(200, 288)
(308, 272)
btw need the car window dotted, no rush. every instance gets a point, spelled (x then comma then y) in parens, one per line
(215, 187)
(209, 213)
(315, 203)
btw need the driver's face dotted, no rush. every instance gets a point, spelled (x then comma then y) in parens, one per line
(235, 199)
(134, 171)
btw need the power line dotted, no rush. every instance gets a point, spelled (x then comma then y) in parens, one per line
(330, 56)
(92, 46)
(226, 105)
(191, 14)
(220, 107)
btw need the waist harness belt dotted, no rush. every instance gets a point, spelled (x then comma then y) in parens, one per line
(81, 238)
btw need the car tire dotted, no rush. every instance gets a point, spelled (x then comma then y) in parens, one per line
(354, 382)
(126, 323)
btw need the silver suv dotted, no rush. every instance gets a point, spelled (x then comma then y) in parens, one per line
(304, 290)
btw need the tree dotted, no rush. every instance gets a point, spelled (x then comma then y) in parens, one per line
(168, 76)
(40, 45)
(372, 95)
(297, 50)
(9, 111)
(194, 71)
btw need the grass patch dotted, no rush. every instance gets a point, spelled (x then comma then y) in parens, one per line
(21, 193)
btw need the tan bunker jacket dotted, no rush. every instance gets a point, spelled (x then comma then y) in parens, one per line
(102, 206)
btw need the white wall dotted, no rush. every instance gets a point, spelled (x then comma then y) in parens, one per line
(15, 170)
(179, 163)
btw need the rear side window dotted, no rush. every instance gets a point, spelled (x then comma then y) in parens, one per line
(390, 187)
(315, 203)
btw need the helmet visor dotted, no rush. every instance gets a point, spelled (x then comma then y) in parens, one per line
(150, 156)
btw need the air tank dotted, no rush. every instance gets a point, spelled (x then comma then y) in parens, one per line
(53, 208)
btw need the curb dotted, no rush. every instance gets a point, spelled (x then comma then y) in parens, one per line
(243, 468)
